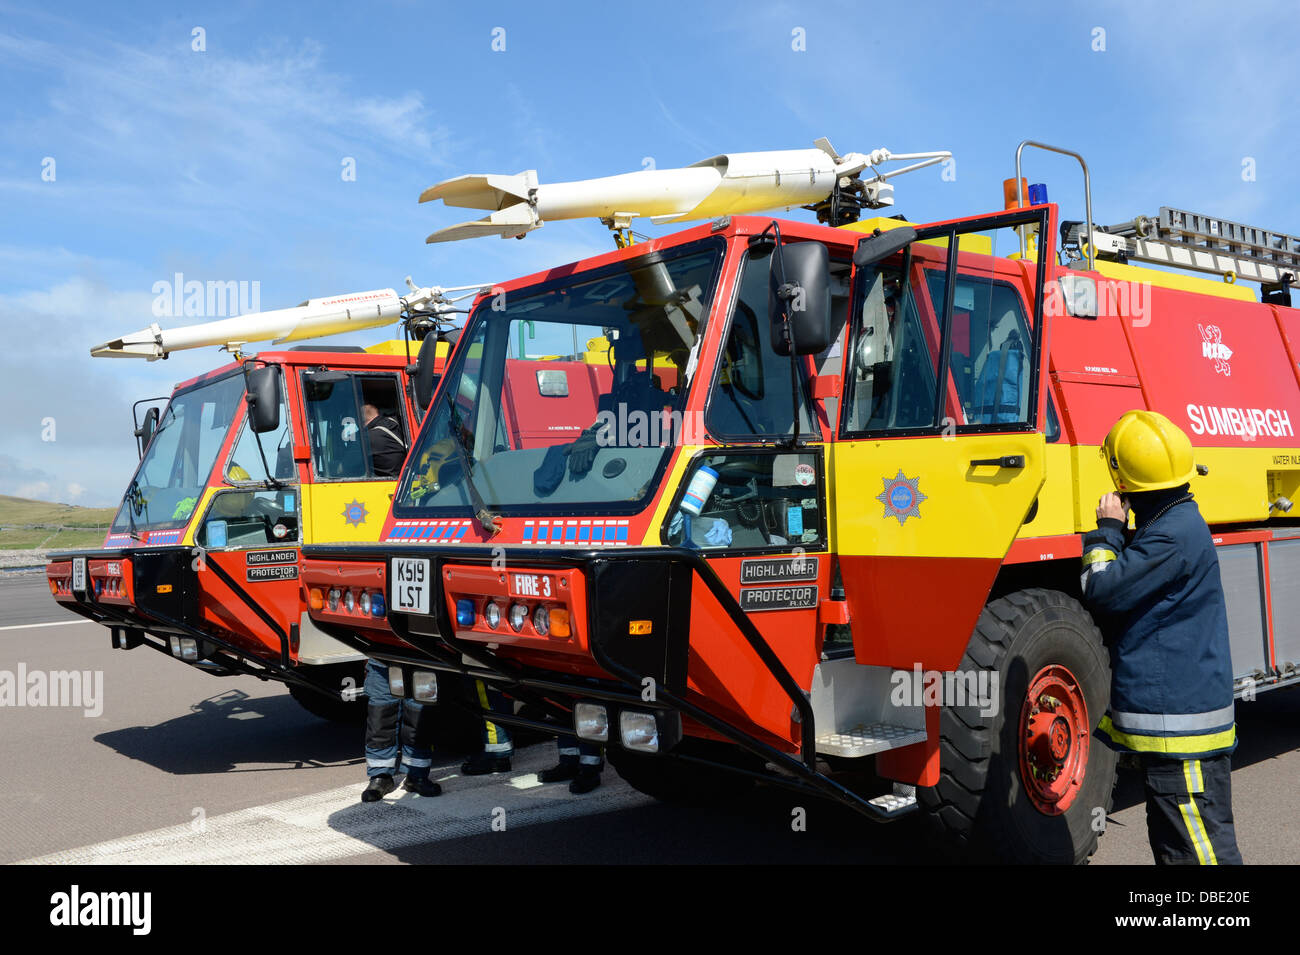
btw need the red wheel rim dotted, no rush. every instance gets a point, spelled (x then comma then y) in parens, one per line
(1053, 746)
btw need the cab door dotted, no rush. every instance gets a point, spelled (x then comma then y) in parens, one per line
(248, 537)
(351, 476)
(755, 506)
(940, 453)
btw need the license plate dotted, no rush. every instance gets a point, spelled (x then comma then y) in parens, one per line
(531, 585)
(409, 585)
(79, 574)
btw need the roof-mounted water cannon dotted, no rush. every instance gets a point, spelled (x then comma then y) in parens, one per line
(730, 184)
(314, 318)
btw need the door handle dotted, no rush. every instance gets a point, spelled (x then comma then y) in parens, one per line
(1006, 461)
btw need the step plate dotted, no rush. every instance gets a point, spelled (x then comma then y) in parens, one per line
(894, 804)
(865, 740)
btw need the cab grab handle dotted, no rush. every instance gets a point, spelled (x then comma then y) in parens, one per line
(1006, 461)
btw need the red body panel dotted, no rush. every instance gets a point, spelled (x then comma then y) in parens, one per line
(932, 632)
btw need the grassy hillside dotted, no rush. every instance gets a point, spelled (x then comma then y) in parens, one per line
(26, 525)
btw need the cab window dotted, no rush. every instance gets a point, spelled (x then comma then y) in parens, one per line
(356, 425)
(752, 394)
(750, 500)
(237, 518)
(245, 463)
(941, 339)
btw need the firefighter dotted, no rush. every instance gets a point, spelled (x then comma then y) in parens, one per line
(498, 747)
(580, 764)
(387, 449)
(1159, 601)
(384, 714)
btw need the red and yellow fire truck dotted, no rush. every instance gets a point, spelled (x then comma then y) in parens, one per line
(817, 522)
(242, 466)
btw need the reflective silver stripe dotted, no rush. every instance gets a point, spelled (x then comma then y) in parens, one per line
(382, 762)
(380, 427)
(498, 748)
(1173, 722)
(1090, 571)
(419, 763)
(589, 760)
(569, 751)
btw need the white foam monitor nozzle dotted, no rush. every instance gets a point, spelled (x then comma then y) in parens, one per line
(314, 318)
(731, 184)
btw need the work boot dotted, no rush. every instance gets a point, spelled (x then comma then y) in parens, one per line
(423, 786)
(558, 774)
(484, 764)
(379, 787)
(588, 778)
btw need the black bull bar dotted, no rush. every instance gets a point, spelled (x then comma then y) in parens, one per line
(642, 582)
(149, 615)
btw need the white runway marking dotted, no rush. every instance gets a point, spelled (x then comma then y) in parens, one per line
(335, 824)
(56, 623)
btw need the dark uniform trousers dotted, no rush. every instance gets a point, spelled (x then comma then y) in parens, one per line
(1189, 803)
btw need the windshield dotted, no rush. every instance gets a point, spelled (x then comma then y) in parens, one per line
(569, 394)
(175, 468)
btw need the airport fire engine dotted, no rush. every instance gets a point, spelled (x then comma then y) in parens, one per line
(815, 519)
(241, 467)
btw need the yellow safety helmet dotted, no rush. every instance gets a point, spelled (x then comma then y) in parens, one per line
(236, 473)
(1145, 451)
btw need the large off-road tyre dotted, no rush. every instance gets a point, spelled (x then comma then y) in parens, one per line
(680, 783)
(1026, 783)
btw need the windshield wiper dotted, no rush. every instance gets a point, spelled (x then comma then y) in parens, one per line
(134, 504)
(485, 517)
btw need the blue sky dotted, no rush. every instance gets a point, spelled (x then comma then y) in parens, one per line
(225, 164)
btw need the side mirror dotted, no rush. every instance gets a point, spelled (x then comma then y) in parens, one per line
(424, 371)
(800, 282)
(144, 433)
(264, 398)
(880, 246)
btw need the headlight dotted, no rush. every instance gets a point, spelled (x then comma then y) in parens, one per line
(396, 685)
(492, 614)
(349, 601)
(334, 598)
(365, 602)
(638, 731)
(591, 721)
(542, 621)
(518, 614)
(184, 648)
(424, 686)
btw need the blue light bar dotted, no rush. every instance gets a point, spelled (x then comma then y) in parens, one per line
(465, 612)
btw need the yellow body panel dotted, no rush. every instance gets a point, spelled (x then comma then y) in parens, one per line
(971, 242)
(1176, 280)
(345, 512)
(398, 346)
(965, 511)
(1056, 499)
